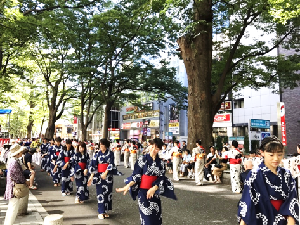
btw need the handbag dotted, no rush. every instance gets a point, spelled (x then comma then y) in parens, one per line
(219, 166)
(20, 190)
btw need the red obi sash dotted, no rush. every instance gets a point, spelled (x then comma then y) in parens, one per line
(57, 153)
(299, 167)
(67, 159)
(277, 204)
(146, 181)
(102, 167)
(82, 165)
(235, 161)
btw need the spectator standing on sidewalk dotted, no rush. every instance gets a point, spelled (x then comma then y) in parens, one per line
(14, 176)
(67, 172)
(81, 161)
(269, 195)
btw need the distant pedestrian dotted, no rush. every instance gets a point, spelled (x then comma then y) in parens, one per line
(147, 183)
(269, 195)
(81, 161)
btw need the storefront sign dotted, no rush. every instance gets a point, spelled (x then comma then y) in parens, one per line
(265, 134)
(283, 125)
(255, 135)
(136, 124)
(226, 117)
(154, 123)
(131, 109)
(238, 138)
(263, 124)
(141, 115)
(174, 128)
(126, 126)
(226, 105)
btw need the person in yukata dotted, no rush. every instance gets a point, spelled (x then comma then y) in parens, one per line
(55, 170)
(81, 161)
(44, 154)
(67, 172)
(147, 183)
(102, 170)
(269, 195)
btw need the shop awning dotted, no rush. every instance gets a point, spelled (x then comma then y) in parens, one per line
(5, 111)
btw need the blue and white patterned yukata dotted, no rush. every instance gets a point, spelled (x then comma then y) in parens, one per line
(81, 181)
(54, 156)
(103, 187)
(66, 174)
(44, 150)
(262, 186)
(150, 209)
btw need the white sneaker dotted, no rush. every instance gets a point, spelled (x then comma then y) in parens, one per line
(63, 194)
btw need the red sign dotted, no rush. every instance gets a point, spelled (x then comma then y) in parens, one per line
(4, 141)
(283, 125)
(126, 126)
(226, 105)
(222, 118)
(113, 129)
(75, 119)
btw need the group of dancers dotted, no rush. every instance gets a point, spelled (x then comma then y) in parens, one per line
(147, 182)
(269, 195)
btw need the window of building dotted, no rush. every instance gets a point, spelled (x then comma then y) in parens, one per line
(238, 103)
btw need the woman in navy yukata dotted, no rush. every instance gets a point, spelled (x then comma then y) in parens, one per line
(67, 170)
(55, 170)
(81, 161)
(148, 182)
(269, 196)
(102, 171)
(44, 154)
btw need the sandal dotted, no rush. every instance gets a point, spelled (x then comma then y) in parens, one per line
(33, 187)
(101, 217)
(77, 201)
(106, 215)
(81, 202)
(55, 185)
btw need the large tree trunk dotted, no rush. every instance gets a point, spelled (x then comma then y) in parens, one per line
(29, 127)
(196, 52)
(30, 120)
(51, 124)
(106, 119)
(83, 132)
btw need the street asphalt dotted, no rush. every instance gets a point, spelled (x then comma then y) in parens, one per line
(208, 204)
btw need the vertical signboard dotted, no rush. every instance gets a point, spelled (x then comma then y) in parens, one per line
(283, 125)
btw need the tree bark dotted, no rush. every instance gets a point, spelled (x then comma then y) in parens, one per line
(196, 51)
(30, 120)
(106, 119)
(51, 123)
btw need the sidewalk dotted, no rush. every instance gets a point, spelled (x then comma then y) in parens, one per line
(36, 213)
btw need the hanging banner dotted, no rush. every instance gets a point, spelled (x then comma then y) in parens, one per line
(283, 125)
(75, 119)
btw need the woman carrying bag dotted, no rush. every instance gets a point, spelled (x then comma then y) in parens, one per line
(16, 187)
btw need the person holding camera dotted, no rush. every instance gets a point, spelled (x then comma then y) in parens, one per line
(235, 159)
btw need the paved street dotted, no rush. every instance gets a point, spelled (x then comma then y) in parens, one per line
(208, 204)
